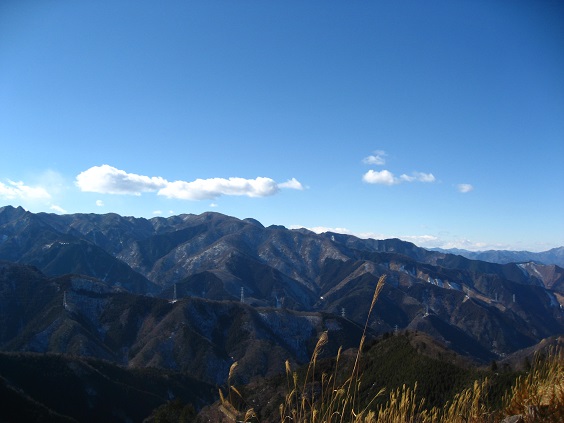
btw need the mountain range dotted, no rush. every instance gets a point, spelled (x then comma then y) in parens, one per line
(195, 293)
(488, 307)
(552, 256)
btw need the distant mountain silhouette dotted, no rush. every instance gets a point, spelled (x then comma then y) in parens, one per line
(552, 256)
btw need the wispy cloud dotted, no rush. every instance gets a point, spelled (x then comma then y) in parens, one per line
(58, 209)
(18, 190)
(99, 203)
(323, 229)
(466, 244)
(464, 188)
(292, 184)
(385, 177)
(418, 177)
(421, 240)
(443, 241)
(447, 241)
(377, 158)
(339, 230)
(106, 179)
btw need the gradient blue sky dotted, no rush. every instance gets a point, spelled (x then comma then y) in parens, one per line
(438, 122)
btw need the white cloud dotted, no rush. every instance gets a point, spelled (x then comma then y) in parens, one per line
(464, 188)
(99, 203)
(425, 241)
(421, 240)
(378, 158)
(214, 205)
(106, 179)
(418, 177)
(407, 178)
(344, 231)
(469, 245)
(323, 229)
(58, 209)
(424, 177)
(202, 189)
(384, 177)
(443, 241)
(463, 244)
(292, 184)
(158, 212)
(18, 190)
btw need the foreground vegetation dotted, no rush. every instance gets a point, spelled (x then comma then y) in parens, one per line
(346, 390)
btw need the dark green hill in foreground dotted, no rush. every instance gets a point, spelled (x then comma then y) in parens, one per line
(405, 358)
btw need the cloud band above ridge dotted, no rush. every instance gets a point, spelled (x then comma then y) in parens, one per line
(107, 179)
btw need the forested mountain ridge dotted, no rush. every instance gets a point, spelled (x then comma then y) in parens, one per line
(480, 309)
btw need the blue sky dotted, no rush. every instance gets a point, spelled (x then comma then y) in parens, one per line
(438, 122)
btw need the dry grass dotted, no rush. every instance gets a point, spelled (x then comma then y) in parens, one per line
(536, 397)
(539, 395)
(327, 401)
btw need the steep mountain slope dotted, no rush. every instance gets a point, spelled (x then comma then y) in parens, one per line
(32, 239)
(478, 308)
(85, 317)
(459, 307)
(551, 276)
(523, 359)
(213, 245)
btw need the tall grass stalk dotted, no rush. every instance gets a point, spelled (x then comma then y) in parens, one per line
(327, 401)
(227, 406)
